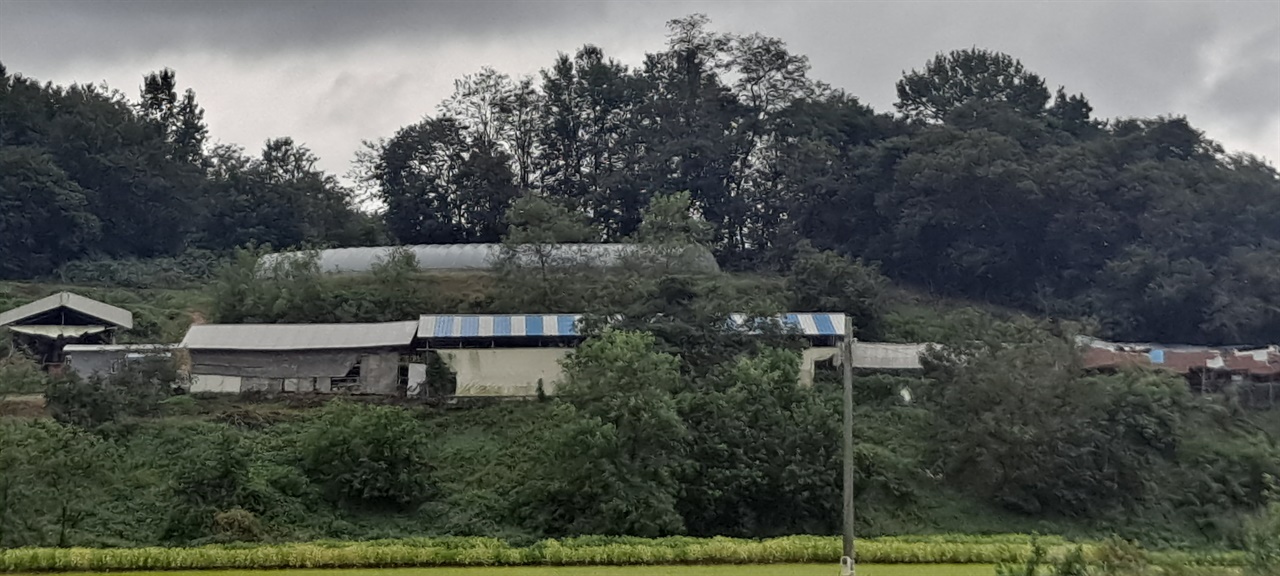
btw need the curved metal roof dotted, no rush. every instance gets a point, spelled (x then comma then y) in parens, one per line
(479, 256)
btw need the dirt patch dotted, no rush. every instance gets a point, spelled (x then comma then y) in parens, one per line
(23, 406)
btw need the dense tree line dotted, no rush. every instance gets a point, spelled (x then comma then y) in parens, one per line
(85, 173)
(985, 183)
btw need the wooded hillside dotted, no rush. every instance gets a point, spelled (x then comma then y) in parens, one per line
(984, 183)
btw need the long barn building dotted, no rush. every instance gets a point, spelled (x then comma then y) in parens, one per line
(489, 355)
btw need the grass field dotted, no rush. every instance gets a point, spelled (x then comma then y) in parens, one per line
(747, 570)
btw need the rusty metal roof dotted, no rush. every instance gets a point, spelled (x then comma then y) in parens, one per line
(1183, 360)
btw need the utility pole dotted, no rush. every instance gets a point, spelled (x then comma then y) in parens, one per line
(848, 565)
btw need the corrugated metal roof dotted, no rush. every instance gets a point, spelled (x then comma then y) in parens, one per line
(499, 326)
(807, 323)
(88, 306)
(566, 325)
(298, 336)
(480, 256)
(72, 348)
(1183, 360)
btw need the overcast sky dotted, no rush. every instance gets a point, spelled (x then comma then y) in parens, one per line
(332, 73)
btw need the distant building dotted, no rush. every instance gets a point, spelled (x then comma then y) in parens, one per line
(510, 355)
(325, 358)
(41, 329)
(490, 355)
(1251, 373)
(88, 359)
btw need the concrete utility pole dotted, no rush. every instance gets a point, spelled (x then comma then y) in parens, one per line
(847, 563)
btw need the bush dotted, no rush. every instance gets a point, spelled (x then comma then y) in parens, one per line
(614, 470)
(210, 475)
(363, 454)
(20, 375)
(191, 268)
(237, 525)
(1262, 543)
(828, 282)
(137, 390)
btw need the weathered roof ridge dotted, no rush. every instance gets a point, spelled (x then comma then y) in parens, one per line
(72, 301)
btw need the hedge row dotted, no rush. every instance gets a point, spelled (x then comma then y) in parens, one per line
(573, 551)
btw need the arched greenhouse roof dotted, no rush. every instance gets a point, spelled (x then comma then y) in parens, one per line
(482, 256)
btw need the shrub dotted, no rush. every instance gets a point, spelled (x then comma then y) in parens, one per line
(828, 282)
(359, 453)
(1262, 543)
(191, 268)
(237, 525)
(614, 470)
(20, 375)
(137, 390)
(211, 475)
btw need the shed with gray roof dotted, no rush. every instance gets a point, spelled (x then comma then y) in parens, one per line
(41, 329)
(329, 358)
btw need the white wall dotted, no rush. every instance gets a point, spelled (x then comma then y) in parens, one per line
(505, 371)
(214, 383)
(810, 357)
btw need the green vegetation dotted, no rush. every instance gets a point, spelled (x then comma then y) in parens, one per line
(734, 570)
(667, 424)
(591, 550)
(985, 184)
(986, 187)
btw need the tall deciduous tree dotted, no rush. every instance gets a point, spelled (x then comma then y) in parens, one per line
(44, 215)
(440, 186)
(961, 77)
(615, 471)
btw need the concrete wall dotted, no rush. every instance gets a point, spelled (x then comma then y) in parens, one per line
(380, 373)
(505, 371)
(810, 357)
(215, 384)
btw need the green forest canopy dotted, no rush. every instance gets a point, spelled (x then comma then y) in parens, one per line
(984, 184)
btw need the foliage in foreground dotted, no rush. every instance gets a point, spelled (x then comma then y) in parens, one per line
(587, 550)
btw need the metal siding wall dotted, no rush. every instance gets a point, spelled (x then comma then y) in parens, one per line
(505, 371)
(250, 364)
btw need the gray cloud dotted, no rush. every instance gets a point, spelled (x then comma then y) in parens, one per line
(331, 73)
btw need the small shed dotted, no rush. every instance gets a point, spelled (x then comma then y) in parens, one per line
(43, 328)
(325, 358)
(88, 359)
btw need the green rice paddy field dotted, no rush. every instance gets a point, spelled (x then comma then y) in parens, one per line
(727, 570)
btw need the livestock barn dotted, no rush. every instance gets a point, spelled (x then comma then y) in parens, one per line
(512, 355)
(327, 358)
(1252, 374)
